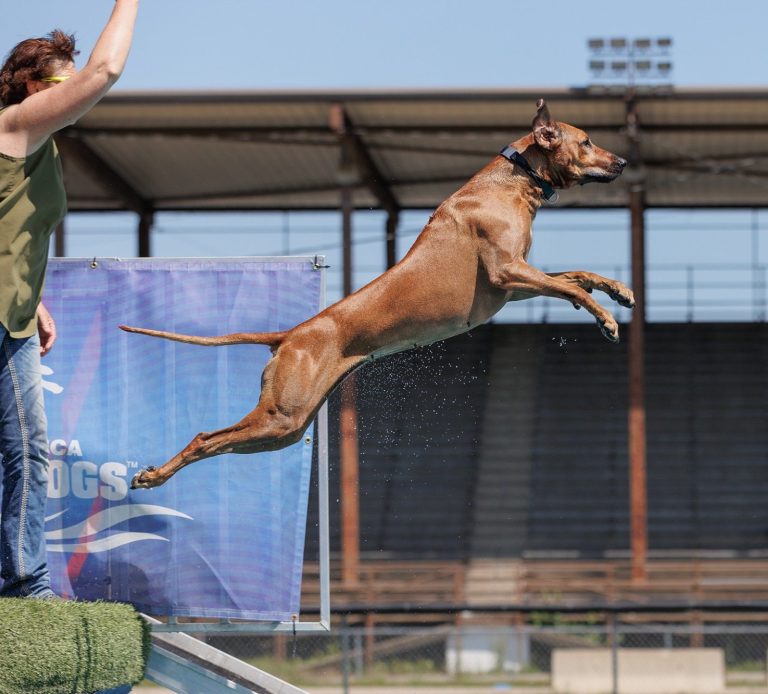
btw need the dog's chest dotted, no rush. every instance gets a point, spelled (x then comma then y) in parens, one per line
(517, 242)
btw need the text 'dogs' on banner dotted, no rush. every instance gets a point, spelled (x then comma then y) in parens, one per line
(225, 536)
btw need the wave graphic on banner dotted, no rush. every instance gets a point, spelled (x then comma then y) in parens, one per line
(54, 388)
(82, 535)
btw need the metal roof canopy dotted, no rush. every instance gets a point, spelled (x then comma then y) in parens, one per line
(293, 150)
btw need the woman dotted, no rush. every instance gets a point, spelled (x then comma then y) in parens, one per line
(40, 93)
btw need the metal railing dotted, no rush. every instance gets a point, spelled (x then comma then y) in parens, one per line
(677, 293)
(524, 648)
(674, 293)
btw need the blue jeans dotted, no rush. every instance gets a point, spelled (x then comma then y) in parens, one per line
(24, 450)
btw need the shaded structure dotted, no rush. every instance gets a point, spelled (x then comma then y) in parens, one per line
(395, 150)
(186, 151)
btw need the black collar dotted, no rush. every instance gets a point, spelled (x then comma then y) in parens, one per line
(511, 154)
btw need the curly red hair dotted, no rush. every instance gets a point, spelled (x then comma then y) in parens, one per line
(34, 59)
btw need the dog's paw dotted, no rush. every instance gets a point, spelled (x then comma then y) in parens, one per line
(143, 479)
(622, 295)
(609, 327)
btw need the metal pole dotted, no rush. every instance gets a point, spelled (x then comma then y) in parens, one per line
(350, 477)
(286, 233)
(392, 220)
(636, 423)
(59, 240)
(350, 502)
(758, 307)
(755, 237)
(146, 220)
(322, 504)
(691, 291)
(614, 654)
(344, 656)
(359, 655)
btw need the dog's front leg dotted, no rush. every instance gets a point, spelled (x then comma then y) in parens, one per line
(618, 291)
(521, 279)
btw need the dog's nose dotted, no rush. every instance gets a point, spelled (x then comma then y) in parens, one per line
(621, 163)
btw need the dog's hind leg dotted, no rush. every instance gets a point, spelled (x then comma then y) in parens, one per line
(295, 383)
(261, 430)
(588, 281)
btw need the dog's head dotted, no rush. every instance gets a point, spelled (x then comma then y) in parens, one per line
(571, 157)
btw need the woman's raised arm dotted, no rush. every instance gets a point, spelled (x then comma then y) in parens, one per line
(52, 106)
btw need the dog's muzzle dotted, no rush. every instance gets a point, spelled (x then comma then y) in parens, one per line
(605, 175)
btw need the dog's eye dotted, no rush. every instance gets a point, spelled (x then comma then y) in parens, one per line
(586, 143)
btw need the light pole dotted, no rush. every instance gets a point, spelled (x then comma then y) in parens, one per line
(631, 67)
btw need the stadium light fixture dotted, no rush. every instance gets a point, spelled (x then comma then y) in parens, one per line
(623, 63)
(642, 44)
(618, 45)
(596, 44)
(596, 66)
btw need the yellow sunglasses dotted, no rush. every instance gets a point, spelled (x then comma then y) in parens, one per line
(56, 79)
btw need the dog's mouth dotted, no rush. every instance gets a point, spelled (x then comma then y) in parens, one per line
(604, 175)
(601, 175)
(599, 178)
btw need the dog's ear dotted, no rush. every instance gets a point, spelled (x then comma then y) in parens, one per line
(546, 132)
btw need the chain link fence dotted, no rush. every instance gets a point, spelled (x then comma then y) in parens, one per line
(516, 654)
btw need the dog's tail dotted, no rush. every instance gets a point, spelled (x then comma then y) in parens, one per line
(272, 340)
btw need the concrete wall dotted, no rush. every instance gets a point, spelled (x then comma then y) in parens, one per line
(486, 649)
(640, 670)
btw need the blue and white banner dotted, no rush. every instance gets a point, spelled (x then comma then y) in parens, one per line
(225, 536)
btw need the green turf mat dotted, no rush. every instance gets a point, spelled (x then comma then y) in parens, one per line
(57, 646)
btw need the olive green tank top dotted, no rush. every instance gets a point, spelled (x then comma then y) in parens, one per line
(32, 203)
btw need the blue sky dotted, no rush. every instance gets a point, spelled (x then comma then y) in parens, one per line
(250, 44)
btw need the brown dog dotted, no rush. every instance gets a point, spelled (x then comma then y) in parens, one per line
(468, 262)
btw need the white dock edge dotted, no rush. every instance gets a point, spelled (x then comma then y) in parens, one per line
(186, 665)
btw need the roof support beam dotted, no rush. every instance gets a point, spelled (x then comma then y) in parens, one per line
(354, 153)
(241, 195)
(113, 183)
(77, 149)
(392, 221)
(144, 234)
(636, 422)
(703, 169)
(348, 445)
(59, 240)
(636, 416)
(317, 134)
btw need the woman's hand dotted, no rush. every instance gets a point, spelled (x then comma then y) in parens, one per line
(46, 328)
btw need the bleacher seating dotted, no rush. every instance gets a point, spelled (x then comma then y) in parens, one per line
(512, 442)
(708, 436)
(418, 426)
